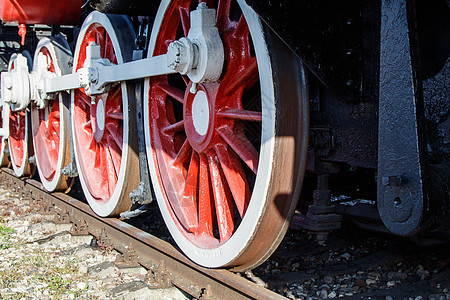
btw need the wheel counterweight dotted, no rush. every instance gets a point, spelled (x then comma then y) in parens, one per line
(50, 124)
(104, 126)
(227, 158)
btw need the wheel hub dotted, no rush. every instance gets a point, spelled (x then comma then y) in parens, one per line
(200, 117)
(98, 119)
(200, 113)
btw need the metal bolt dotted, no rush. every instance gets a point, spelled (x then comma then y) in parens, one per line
(202, 5)
(391, 180)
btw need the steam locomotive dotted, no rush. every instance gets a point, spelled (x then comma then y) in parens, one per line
(234, 115)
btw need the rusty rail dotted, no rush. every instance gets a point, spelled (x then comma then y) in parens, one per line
(141, 248)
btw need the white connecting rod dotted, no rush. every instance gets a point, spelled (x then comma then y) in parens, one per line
(200, 56)
(95, 77)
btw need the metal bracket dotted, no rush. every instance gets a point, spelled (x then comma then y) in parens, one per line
(162, 277)
(207, 293)
(127, 259)
(401, 195)
(79, 228)
(62, 217)
(47, 207)
(321, 217)
(71, 169)
(103, 241)
(143, 194)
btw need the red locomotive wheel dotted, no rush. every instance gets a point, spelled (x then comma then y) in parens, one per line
(50, 125)
(105, 149)
(18, 142)
(227, 162)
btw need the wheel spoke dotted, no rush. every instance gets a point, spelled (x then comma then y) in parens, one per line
(205, 205)
(110, 169)
(242, 146)
(183, 154)
(100, 36)
(186, 79)
(223, 13)
(83, 97)
(222, 200)
(117, 116)
(189, 199)
(245, 115)
(87, 124)
(172, 91)
(113, 131)
(94, 147)
(176, 127)
(247, 77)
(108, 50)
(115, 154)
(241, 28)
(185, 22)
(235, 176)
(55, 127)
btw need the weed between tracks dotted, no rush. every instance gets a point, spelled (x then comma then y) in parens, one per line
(5, 235)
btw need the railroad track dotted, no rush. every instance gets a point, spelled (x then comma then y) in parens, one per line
(139, 247)
(352, 263)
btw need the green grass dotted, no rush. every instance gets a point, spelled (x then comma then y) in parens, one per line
(5, 235)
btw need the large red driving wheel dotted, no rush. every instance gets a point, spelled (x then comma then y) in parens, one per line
(227, 161)
(50, 125)
(19, 137)
(104, 127)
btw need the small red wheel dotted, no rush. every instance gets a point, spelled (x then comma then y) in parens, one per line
(104, 127)
(227, 162)
(50, 125)
(19, 137)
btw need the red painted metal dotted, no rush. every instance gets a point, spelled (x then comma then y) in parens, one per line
(52, 12)
(99, 151)
(17, 136)
(22, 32)
(46, 139)
(205, 176)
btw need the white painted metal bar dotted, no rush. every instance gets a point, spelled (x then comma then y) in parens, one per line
(62, 83)
(152, 66)
(143, 68)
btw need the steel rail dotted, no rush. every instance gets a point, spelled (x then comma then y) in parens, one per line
(149, 250)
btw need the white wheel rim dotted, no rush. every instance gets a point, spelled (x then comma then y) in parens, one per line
(109, 207)
(59, 180)
(228, 251)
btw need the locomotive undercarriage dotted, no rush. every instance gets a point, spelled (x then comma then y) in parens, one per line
(225, 112)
